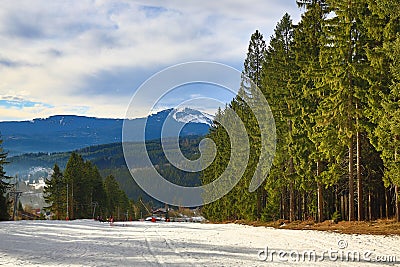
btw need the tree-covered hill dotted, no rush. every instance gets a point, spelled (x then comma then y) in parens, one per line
(109, 159)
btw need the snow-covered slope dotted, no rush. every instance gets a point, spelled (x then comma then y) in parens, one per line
(90, 243)
(187, 115)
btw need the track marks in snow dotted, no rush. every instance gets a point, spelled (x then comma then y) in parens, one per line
(163, 250)
(152, 249)
(186, 259)
(89, 243)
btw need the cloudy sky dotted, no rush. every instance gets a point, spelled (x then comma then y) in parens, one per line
(87, 57)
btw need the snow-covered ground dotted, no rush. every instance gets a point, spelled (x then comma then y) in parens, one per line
(91, 243)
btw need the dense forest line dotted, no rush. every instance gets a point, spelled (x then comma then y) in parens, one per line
(80, 189)
(332, 83)
(96, 165)
(81, 192)
(109, 159)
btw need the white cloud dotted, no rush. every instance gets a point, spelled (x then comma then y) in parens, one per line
(94, 54)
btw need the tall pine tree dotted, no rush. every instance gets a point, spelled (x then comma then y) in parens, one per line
(55, 193)
(74, 178)
(281, 91)
(307, 44)
(384, 27)
(4, 185)
(343, 58)
(253, 65)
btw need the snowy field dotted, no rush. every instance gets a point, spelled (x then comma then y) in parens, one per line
(91, 243)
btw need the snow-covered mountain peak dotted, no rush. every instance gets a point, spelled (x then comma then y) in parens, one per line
(187, 115)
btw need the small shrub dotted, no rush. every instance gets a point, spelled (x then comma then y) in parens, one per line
(336, 217)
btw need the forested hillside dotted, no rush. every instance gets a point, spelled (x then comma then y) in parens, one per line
(109, 159)
(332, 83)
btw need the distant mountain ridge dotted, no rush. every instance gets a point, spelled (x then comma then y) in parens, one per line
(69, 132)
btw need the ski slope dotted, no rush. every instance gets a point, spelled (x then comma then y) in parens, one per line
(91, 243)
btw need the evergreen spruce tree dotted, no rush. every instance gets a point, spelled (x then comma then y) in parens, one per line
(254, 61)
(282, 91)
(98, 195)
(216, 210)
(388, 131)
(92, 190)
(4, 185)
(383, 27)
(239, 203)
(55, 193)
(307, 45)
(391, 105)
(74, 178)
(117, 201)
(343, 58)
(253, 71)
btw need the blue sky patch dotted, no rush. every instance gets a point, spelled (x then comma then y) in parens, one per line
(153, 11)
(20, 104)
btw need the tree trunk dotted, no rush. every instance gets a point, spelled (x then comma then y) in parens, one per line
(343, 207)
(359, 180)
(67, 215)
(346, 205)
(386, 203)
(258, 193)
(380, 208)
(291, 202)
(396, 192)
(281, 208)
(370, 206)
(285, 211)
(350, 121)
(72, 201)
(301, 211)
(320, 202)
(261, 199)
(351, 181)
(292, 207)
(305, 207)
(320, 197)
(335, 201)
(263, 195)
